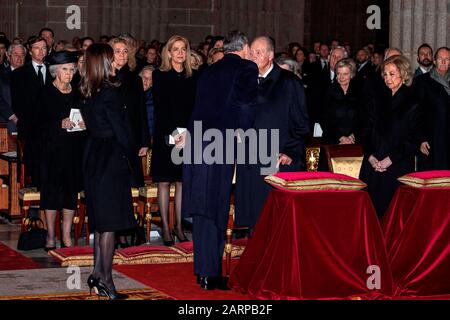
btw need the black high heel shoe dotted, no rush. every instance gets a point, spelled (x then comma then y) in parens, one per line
(92, 283)
(177, 236)
(112, 295)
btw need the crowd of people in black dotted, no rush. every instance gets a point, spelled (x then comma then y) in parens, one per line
(133, 95)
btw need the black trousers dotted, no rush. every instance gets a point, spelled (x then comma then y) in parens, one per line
(209, 243)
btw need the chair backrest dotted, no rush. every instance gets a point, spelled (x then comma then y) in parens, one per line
(344, 159)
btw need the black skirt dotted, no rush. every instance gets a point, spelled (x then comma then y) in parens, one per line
(107, 186)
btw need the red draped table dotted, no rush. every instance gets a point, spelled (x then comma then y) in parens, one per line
(417, 232)
(314, 245)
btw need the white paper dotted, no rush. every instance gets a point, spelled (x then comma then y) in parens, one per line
(172, 138)
(76, 118)
(317, 131)
(11, 154)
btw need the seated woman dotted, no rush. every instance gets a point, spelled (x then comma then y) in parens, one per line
(390, 133)
(62, 149)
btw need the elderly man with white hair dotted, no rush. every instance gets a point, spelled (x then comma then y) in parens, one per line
(281, 108)
(16, 57)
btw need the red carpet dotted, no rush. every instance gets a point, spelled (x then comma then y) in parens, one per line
(12, 260)
(176, 280)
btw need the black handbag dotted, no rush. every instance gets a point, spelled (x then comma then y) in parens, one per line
(34, 238)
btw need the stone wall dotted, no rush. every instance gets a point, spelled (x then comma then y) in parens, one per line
(150, 19)
(414, 22)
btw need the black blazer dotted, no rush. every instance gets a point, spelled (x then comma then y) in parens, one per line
(5, 95)
(25, 89)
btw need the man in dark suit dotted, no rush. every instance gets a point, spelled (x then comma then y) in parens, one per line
(424, 59)
(433, 93)
(281, 110)
(365, 69)
(16, 56)
(321, 79)
(226, 96)
(26, 83)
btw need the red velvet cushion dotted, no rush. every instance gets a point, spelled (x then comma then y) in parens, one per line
(300, 181)
(427, 179)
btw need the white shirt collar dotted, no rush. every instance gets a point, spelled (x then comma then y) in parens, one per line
(424, 70)
(362, 65)
(35, 66)
(332, 75)
(267, 72)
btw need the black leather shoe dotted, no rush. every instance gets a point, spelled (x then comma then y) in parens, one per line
(47, 249)
(112, 295)
(183, 238)
(212, 283)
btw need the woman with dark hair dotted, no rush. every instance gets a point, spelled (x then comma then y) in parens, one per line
(390, 135)
(174, 86)
(105, 164)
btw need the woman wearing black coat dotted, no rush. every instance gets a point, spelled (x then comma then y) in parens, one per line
(340, 119)
(390, 134)
(60, 150)
(174, 88)
(132, 99)
(106, 166)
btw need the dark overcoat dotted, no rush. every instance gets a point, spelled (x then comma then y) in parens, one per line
(25, 88)
(106, 168)
(133, 100)
(434, 106)
(281, 105)
(226, 97)
(391, 130)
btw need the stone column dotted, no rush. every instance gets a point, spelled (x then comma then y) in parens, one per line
(414, 22)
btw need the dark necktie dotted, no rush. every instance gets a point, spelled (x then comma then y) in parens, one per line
(260, 80)
(40, 75)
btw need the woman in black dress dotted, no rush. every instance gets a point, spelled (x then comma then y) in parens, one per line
(107, 176)
(61, 149)
(174, 87)
(390, 134)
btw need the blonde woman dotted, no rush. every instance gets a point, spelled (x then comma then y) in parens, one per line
(390, 134)
(174, 86)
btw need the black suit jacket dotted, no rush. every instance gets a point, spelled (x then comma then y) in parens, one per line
(5, 95)
(226, 97)
(25, 89)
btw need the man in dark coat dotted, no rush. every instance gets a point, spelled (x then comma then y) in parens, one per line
(16, 56)
(281, 107)
(226, 95)
(26, 83)
(433, 93)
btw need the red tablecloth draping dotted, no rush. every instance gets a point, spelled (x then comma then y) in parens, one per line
(314, 245)
(417, 233)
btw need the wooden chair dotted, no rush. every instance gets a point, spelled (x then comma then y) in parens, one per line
(148, 199)
(344, 159)
(81, 217)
